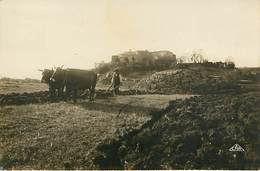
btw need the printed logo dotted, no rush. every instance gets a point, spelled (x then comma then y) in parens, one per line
(236, 147)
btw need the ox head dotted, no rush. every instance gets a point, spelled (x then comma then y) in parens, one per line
(46, 75)
(58, 75)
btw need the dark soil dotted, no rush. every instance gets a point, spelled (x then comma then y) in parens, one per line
(44, 96)
(195, 133)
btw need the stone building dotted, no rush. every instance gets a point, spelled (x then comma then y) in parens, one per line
(144, 57)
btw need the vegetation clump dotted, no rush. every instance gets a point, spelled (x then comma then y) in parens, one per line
(198, 80)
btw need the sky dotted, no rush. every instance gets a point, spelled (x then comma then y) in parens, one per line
(37, 34)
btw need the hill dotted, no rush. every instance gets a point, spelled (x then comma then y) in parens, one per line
(191, 78)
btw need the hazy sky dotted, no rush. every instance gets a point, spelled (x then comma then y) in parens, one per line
(38, 34)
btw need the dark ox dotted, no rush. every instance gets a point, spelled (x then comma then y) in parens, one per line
(76, 79)
(53, 86)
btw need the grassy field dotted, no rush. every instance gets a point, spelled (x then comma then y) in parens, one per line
(59, 135)
(20, 87)
(65, 135)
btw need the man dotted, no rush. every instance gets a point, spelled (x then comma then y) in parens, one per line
(115, 82)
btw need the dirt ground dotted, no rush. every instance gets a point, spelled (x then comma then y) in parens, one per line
(65, 135)
(196, 133)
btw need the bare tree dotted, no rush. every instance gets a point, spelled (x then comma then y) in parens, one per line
(229, 62)
(197, 56)
(182, 59)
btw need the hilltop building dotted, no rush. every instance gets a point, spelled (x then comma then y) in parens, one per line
(145, 58)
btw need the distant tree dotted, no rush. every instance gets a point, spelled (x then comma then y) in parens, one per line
(229, 63)
(201, 58)
(182, 59)
(197, 56)
(229, 59)
(205, 61)
(103, 67)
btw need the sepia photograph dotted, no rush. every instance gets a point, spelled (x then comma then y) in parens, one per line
(129, 84)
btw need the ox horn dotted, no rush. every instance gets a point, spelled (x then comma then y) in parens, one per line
(61, 66)
(41, 70)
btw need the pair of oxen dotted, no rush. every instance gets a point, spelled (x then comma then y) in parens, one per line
(67, 82)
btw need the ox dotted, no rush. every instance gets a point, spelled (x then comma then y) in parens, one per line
(53, 86)
(74, 80)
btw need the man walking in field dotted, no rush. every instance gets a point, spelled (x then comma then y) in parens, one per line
(115, 82)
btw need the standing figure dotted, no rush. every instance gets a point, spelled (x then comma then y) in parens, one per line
(115, 82)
